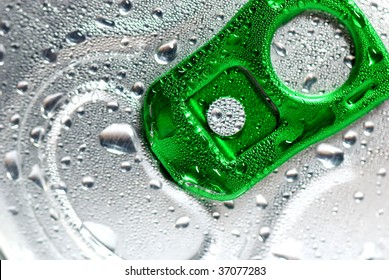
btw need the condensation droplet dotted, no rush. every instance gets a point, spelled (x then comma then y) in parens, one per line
(120, 139)
(329, 155)
(138, 89)
(155, 184)
(349, 139)
(12, 165)
(280, 49)
(167, 52)
(157, 13)
(51, 103)
(359, 196)
(264, 233)
(291, 175)
(37, 176)
(125, 7)
(183, 222)
(75, 37)
(36, 135)
(88, 182)
(261, 201)
(368, 128)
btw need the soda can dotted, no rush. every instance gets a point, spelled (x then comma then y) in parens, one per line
(78, 176)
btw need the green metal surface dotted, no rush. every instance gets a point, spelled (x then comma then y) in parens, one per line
(279, 123)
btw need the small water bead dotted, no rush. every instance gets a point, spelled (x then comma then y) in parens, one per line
(229, 204)
(226, 117)
(120, 139)
(50, 55)
(125, 7)
(359, 196)
(193, 40)
(264, 233)
(261, 201)
(104, 23)
(12, 165)
(280, 49)
(382, 172)
(349, 139)
(138, 89)
(157, 13)
(291, 175)
(88, 182)
(5, 27)
(368, 128)
(125, 166)
(36, 135)
(166, 53)
(182, 222)
(15, 121)
(112, 106)
(235, 232)
(75, 37)
(66, 122)
(66, 162)
(216, 215)
(13, 210)
(22, 87)
(329, 155)
(155, 184)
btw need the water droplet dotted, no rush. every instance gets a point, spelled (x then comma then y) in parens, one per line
(66, 162)
(261, 201)
(264, 233)
(103, 234)
(13, 210)
(291, 175)
(88, 182)
(22, 87)
(120, 139)
(155, 184)
(66, 122)
(309, 81)
(15, 120)
(359, 196)
(216, 215)
(50, 55)
(349, 139)
(182, 222)
(51, 103)
(125, 7)
(349, 61)
(60, 186)
(138, 89)
(104, 23)
(229, 204)
(112, 106)
(167, 52)
(193, 40)
(157, 13)
(12, 165)
(5, 27)
(36, 135)
(126, 166)
(382, 172)
(280, 49)
(75, 37)
(37, 176)
(235, 232)
(368, 128)
(2, 54)
(329, 155)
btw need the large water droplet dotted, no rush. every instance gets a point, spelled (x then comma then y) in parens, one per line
(51, 103)
(37, 176)
(329, 155)
(88, 182)
(368, 128)
(349, 61)
(229, 204)
(167, 52)
(182, 222)
(2, 54)
(120, 139)
(157, 13)
(138, 89)
(104, 23)
(103, 234)
(359, 196)
(12, 165)
(291, 175)
(261, 201)
(155, 184)
(264, 233)
(349, 139)
(50, 55)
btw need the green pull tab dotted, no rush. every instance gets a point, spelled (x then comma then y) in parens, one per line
(222, 120)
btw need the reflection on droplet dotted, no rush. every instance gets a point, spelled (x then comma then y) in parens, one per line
(182, 222)
(12, 165)
(167, 52)
(103, 234)
(157, 13)
(138, 89)
(125, 7)
(329, 155)
(120, 139)
(51, 103)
